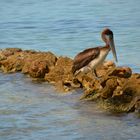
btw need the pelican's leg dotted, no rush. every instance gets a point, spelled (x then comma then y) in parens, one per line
(95, 73)
(76, 73)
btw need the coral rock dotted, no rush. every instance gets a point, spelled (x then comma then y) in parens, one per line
(122, 72)
(13, 63)
(37, 61)
(38, 69)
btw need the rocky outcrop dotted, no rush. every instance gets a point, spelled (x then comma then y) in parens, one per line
(61, 75)
(117, 89)
(37, 64)
(11, 62)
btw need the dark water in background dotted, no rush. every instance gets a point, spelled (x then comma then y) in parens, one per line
(67, 27)
(30, 110)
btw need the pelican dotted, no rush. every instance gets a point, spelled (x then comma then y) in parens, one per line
(91, 58)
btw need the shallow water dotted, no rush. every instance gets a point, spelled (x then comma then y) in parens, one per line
(31, 110)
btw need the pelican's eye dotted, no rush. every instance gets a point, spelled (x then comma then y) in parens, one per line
(109, 33)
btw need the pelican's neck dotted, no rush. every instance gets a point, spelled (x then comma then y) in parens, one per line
(106, 42)
(104, 37)
(106, 48)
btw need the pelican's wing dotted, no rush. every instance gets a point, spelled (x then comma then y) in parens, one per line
(84, 58)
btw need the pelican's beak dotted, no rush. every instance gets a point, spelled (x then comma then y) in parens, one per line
(112, 46)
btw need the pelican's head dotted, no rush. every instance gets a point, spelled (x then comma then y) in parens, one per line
(107, 36)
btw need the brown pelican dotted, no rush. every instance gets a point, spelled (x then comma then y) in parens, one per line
(91, 58)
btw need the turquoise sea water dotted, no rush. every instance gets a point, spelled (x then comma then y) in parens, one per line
(30, 110)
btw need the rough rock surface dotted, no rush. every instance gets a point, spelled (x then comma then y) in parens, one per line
(117, 89)
(37, 64)
(11, 63)
(61, 75)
